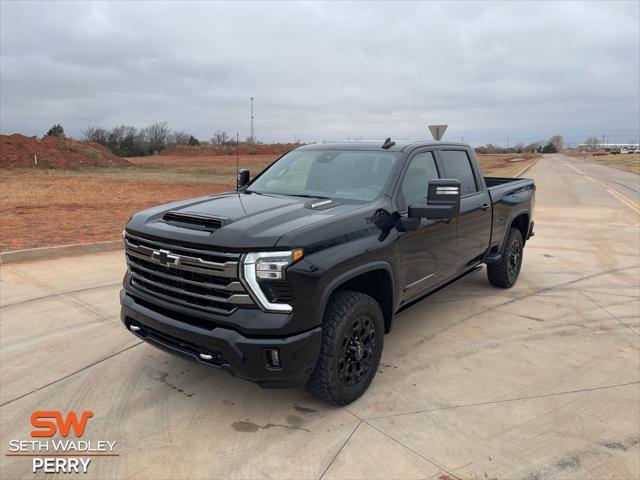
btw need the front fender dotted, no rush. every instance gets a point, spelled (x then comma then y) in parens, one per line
(354, 272)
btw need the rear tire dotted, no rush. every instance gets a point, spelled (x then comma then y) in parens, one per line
(352, 333)
(505, 273)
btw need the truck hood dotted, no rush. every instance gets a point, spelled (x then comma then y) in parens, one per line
(250, 221)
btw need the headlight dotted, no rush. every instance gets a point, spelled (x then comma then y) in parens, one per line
(266, 266)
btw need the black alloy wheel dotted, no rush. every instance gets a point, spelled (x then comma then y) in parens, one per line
(513, 267)
(358, 345)
(350, 349)
(504, 274)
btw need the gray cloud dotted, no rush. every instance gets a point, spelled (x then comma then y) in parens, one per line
(325, 70)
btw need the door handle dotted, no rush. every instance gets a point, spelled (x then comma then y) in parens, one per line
(485, 206)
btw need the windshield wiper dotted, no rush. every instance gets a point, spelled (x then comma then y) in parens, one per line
(257, 193)
(305, 195)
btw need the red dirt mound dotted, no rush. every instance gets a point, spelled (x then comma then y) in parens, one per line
(18, 151)
(244, 149)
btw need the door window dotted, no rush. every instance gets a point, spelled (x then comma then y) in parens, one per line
(457, 166)
(416, 179)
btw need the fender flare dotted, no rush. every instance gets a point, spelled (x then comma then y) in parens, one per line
(353, 273)
(524, 211)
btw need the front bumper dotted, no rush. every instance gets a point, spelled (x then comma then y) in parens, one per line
(244, 357)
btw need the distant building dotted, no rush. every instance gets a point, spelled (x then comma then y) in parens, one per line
(608, 147)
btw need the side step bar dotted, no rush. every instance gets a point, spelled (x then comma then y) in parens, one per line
(468, 273)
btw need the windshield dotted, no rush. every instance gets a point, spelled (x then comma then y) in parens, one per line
(341, 174)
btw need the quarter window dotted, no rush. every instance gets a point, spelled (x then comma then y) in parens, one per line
(457, 166)
(416, 179)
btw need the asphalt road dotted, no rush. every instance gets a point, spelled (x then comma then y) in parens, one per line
(539, 381)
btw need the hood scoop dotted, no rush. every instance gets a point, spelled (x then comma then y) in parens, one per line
(321, 204)
(193, 221)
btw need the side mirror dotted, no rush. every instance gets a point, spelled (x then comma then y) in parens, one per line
(243, 177)
(443, 201)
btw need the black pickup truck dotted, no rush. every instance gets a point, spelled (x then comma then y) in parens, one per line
(294, 278)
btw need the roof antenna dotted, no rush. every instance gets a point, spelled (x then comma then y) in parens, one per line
(388, 144)
(237, 159)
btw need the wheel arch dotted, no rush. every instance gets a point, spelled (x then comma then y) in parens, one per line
(521, 222)
(375, 279)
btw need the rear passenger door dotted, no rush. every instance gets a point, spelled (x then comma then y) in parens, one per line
(474, 222)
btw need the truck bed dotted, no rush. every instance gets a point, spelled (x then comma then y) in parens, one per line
(510, 197)
(500, 187)
(493, 182)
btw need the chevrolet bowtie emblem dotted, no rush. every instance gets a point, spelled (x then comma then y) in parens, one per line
(164, 257)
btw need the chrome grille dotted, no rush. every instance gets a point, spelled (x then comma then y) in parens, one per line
(190, 277)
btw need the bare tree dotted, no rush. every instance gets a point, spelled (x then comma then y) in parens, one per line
(141, 142)
(179, 138)
(593, 143)
(157, 135)
(121, 140)
(96, 134)
(557, 141)
(220, 138)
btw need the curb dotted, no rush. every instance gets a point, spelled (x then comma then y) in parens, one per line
(527, 167)
(46, 253)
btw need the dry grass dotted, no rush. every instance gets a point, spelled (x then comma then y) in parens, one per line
(628, 162)
(39, 209)
(505, 165)
(58, 207)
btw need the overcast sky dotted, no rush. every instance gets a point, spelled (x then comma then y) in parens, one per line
(492, 71)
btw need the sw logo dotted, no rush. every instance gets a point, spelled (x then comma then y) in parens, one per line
(49, 423)
(57, 445)
(46, 427)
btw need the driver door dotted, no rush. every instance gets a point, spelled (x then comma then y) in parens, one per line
(427, 253)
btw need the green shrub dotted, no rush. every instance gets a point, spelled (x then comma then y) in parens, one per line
(56, 131)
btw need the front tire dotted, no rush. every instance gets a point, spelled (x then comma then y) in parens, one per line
(352, 334)
(505, 273)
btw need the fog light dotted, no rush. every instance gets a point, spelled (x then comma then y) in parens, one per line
(273, 358)
(134, 328)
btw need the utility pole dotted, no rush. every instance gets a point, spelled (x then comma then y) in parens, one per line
(252, 130)
(237, 158)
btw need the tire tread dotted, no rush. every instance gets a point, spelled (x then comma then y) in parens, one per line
(340, 306)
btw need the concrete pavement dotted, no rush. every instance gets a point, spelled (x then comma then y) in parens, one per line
(539, 381)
